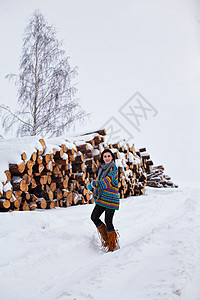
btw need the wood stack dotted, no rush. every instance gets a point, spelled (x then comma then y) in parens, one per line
(53, 176)
(56, 173)
(155, 174)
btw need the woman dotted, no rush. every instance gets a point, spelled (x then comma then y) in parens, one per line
(106, 197)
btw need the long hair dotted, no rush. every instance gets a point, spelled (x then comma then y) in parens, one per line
(105, 151)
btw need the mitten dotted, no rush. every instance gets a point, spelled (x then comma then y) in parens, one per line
(90, 186)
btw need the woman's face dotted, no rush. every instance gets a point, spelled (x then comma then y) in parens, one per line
(107, 157)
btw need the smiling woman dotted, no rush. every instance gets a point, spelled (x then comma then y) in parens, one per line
(106, 196)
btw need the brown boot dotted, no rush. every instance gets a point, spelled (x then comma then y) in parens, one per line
(113, 240)
(102, 229)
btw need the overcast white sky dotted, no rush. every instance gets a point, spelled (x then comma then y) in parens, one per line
(121, 48)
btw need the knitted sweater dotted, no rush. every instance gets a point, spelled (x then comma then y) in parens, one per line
(109, 187)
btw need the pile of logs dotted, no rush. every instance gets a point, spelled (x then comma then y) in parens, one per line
(57, 174)
(155, 174)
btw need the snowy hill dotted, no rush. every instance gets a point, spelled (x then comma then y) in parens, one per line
(56, 254)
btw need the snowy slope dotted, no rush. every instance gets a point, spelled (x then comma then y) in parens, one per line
(56, 254)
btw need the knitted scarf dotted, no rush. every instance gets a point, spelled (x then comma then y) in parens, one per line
(106, 168)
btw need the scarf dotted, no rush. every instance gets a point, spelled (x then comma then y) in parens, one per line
(106, 168)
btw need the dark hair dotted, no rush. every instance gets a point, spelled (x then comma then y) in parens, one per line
(105, 151)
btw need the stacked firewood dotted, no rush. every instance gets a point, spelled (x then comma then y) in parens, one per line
(57, 174)
(46, 180)
(155, 174)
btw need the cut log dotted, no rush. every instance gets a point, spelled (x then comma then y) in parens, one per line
(47, 158)
(47, 195)
(24, 206)
(32, 205)
(98, 139)
(101, 132)
(82, 148)
(30, 164)
(4, 203)
(69, 197)
(41, 203)
(26, 196)
(58, 194)
(50, 204)
(38, 168)
(65, 182)
(42, 142)
(116, 145)
(39, 160)
(7, 194)
(17, 169)
(19, 184)
(23, 156)
(56, 170)
(91, 142)
(65, 193)
(8, 175)
(142, 149)
(66, 202)
(58, 154)
(53, 186)
(33, 183)
(16, 203)
(17, 194)
(34, 156)
(71, 151)
(27, 178)
(33, 198)
(49, 166)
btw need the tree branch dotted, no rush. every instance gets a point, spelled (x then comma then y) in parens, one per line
(14, 115)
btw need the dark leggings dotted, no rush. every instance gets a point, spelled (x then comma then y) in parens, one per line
(109, 213)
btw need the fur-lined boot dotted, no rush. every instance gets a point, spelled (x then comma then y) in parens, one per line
(102, 229)
(113, 240)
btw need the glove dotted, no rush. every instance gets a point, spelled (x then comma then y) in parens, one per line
(90, 186)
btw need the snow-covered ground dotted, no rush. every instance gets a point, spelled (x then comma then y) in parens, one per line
(56, 254)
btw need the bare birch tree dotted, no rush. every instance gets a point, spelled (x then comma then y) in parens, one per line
(46, 96)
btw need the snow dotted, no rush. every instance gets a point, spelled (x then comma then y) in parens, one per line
(118, 162)
(65, 156)
(61, 140)
(79, 143)
(90, 147)
(7, 187)
(96, 152)
(11, 150)
(89, 132)
(79, 153)
(144, 153)
(86, 137)
(56, 254)
(49, 148)
(131, 157)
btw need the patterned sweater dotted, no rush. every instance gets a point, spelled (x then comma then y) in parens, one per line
(109, 187)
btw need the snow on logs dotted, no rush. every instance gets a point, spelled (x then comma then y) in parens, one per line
(44, 174)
